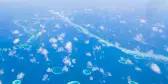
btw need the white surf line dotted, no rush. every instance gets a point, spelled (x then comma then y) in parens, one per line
(137, 54)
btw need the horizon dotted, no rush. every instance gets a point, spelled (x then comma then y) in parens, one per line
(84, 4)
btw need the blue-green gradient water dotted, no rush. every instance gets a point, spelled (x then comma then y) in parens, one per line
(106, 58)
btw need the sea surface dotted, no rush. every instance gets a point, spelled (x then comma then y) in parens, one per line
(35, 41)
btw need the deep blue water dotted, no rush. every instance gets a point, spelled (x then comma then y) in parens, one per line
(106, 58)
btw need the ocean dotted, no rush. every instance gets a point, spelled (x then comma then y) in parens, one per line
(63, 43)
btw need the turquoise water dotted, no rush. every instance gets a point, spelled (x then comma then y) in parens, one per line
(107, 68)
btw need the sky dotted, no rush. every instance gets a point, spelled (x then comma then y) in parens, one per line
(83, 3)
